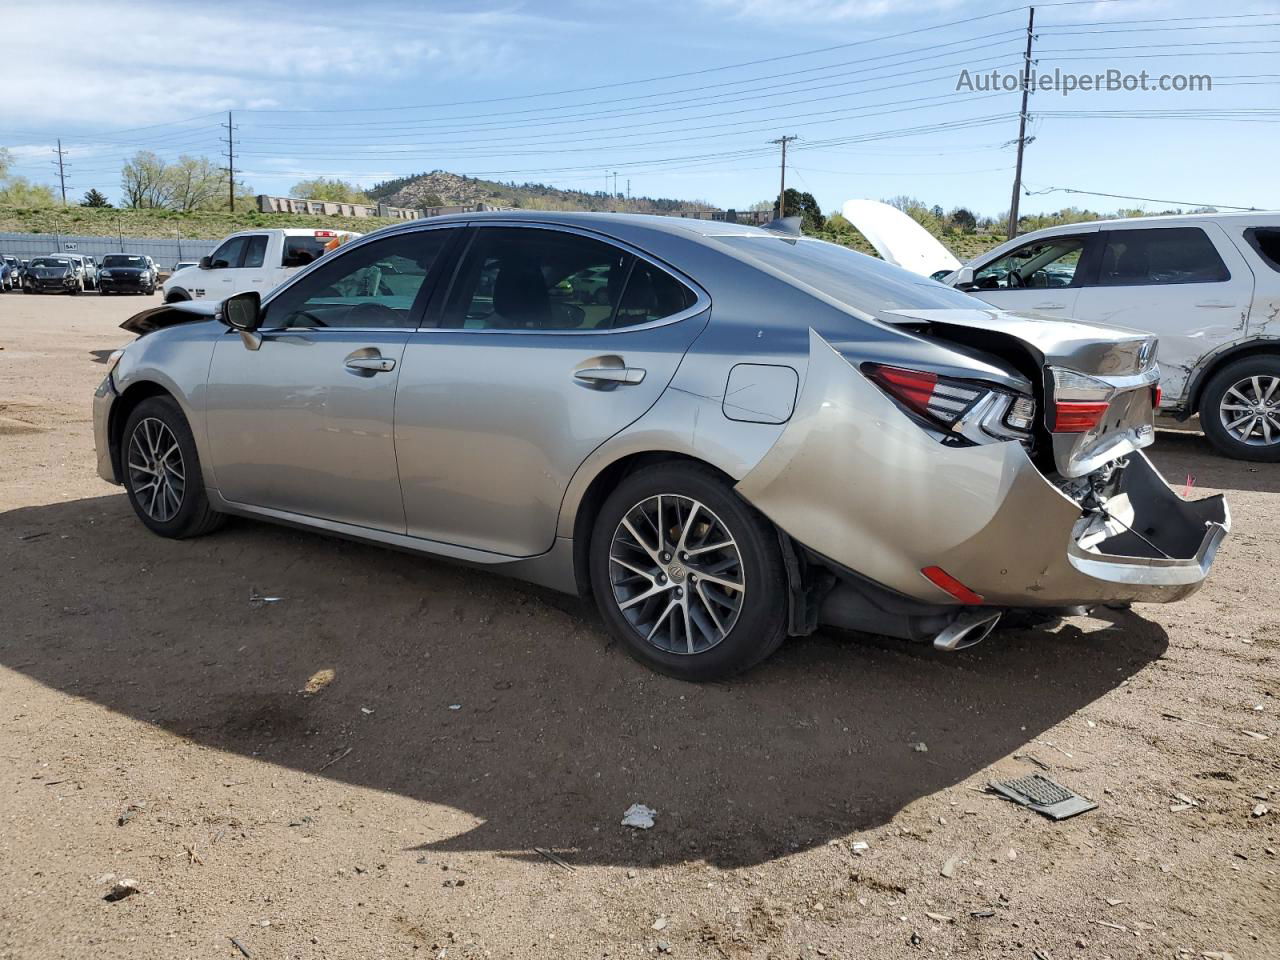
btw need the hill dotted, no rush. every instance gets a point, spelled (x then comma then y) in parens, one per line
(441, 188)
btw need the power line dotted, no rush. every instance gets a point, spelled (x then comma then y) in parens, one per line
(1121, 196)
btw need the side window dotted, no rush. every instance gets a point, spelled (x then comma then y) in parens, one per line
(651, 294)
(369, 285)
(1159, 256)
(1044, 263)
(1266, 241)
(514, 278)
(255, 251)
(227, 255)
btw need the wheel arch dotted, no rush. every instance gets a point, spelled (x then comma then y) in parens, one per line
(127, 402)
(597, 491)
(176, 295)
(1241, 351)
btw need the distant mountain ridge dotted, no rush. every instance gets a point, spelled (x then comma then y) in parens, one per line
(441, 188)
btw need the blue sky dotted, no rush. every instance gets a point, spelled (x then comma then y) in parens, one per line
(681, 99)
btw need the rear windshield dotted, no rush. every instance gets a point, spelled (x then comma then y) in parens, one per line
(299, 251)
(862, 282)
(123, 260)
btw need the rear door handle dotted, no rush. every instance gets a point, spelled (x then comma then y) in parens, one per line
(370, 365)
(1216, 305)
(610, 376)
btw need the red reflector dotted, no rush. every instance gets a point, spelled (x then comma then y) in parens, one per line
(912, 387)
(940, 578)
(1078, 416)
(1157, 393)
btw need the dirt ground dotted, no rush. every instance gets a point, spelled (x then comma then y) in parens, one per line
(152, 727)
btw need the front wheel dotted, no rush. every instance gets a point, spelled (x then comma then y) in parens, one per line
(161, 471)
(1240, 409)
(686, 574)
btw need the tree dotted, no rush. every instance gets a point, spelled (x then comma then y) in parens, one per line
(803, 205)
(195, 184)
(963, 220)
(324, 188)
(94, 199)
(6, 158)
(433, 200)
(21, 192)
(143, 181)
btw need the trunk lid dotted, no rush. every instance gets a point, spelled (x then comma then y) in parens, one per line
(1110, 371)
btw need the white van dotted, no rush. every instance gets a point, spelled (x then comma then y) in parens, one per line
(252, 260)
(1208, 285)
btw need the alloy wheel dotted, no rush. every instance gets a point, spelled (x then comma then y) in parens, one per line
(677, 574)
(157, 473)
(1250, 410)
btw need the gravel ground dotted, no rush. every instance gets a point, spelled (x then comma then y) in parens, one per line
(153, 726)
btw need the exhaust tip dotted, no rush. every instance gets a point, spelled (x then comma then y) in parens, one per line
(967, 629)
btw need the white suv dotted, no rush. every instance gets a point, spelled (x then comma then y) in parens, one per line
(252, 260)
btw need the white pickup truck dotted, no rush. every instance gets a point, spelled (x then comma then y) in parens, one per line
(252, 260)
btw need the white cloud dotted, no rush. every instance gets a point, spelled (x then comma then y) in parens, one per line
(150, 62)
(798, 12)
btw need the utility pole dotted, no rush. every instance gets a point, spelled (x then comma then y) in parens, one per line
(230, 141)
(60, 163)
(1022, 125)
(782, 184)
(628, 189)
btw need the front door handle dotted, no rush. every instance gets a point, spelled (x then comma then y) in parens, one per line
(370, 365)
(1216, 305)
(610, 376)
(1049, 306)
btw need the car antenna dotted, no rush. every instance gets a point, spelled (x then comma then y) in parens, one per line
(788, 225)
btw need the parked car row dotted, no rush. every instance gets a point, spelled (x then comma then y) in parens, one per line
(73, 273)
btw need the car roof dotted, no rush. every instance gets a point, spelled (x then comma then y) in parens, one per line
(601, 221)
(1252, 218)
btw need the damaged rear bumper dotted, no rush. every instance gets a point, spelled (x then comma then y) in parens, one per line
(854, 480)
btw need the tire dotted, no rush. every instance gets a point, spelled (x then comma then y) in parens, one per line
(729, 630)
(180, 508)
(1234, 387)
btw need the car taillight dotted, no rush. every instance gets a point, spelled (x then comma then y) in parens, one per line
(962, 409)
(1157, 394)
(1079, 401)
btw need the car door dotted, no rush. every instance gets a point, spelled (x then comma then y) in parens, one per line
(1189, 285)
(303, 424)
(218, 281)
(1040, 276)
(549, 342)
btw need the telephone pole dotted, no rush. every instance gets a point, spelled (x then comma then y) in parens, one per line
(1022, 125)
(60, 163)
(230, 141)
(782, 184)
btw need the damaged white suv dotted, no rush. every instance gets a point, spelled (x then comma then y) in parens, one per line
(1207, 285)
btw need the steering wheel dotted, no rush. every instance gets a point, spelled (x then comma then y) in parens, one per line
(372, 315)
(299, 314)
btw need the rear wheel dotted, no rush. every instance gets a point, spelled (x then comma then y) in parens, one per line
(161, 471)
(1240, 409)
(177, 295)
(688, 576)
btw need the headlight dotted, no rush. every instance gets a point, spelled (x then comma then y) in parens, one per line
(114, 359)
(104, 273)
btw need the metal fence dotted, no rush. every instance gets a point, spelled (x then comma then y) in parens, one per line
(165, 251)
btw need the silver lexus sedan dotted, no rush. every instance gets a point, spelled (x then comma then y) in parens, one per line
(726, 435)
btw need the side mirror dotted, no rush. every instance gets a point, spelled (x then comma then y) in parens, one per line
(206, 263)
(243, 313)
(963, 279)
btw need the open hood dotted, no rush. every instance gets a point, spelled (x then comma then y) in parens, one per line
(898, 238)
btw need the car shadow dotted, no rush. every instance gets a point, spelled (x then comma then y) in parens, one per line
(1184, 455)
(458, 687)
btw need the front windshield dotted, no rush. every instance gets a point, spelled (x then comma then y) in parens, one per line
(123, 260)
(50, 262)
(855, 279)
